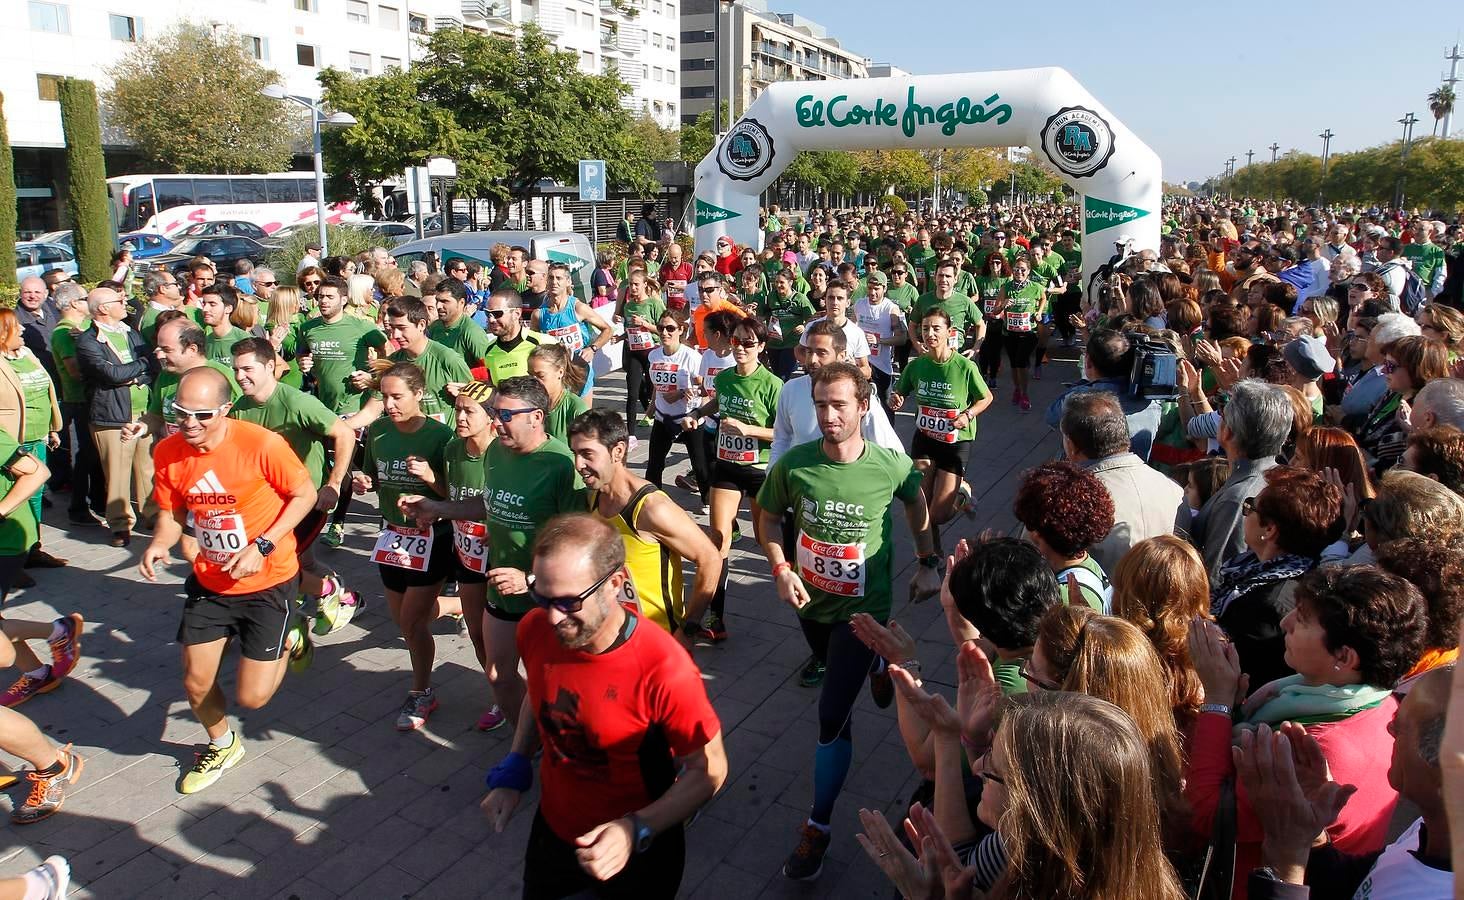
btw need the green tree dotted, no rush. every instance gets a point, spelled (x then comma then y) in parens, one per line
(86, 173)
(344, 240)
(191, 103)
(903, 170)
(1441, 103)
(510, 110)
(697, 137)
(659, 142)
(7, 199)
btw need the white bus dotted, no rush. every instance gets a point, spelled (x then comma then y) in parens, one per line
(165, 204)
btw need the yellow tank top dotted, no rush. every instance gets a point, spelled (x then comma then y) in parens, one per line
(655, 585)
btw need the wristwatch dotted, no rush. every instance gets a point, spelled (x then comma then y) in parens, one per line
(641, 834)
(930, 562)
(264, 545)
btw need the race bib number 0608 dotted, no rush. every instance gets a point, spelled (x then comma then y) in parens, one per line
(736, 448)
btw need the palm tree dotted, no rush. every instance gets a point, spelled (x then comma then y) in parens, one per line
(1441, 103)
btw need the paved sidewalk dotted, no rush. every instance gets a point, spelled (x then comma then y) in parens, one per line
(331, 801)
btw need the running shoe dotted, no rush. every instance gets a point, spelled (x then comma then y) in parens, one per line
(713, 628)
(647, 420)
(881, 685)
(210, 765)
(806, 861)
(55, 876)
(416, 710)
(328, 607)
(48, 790)
(736, 532)
(492, 720)
(299, 645)
(27, 686)
(686, 484)
(1037, 372)
(965, 500)
(462, 624)
(66, 650)
(1025, 404)
(333, 535)
(812, 674)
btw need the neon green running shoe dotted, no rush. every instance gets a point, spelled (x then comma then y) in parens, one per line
(210, 765)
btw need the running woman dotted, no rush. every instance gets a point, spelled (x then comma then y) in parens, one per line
(674, 368)
(1020, 305)
(949, 394)
(243, 491)
(996, 272)
(840, 490)
(640, 309)
(326, 445)
(550, 363)
(717, 331)
(788, 314)
(747, 401)
(404, 458)
(884, 328)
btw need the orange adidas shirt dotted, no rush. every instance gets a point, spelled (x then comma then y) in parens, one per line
(235, 494)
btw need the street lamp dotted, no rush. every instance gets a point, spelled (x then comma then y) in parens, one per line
(317, 119)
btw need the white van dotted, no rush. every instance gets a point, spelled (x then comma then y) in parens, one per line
(566, 247)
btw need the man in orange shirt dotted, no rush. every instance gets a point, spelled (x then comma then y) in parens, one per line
(713, 298)
(242, 491)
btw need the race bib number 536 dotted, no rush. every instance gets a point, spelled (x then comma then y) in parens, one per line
(832, 568)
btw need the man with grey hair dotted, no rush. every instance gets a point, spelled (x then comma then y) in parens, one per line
(416, 272)
(1440, 402)
(117, 367)
(75, 461)
(1256, 423)
(163, 293)
(265, 281)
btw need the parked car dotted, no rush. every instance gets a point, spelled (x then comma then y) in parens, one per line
(566, 247)
(56, 237)
(145, 244)
(34, 258)
(222, 251)
(390, 233)
(221, 229)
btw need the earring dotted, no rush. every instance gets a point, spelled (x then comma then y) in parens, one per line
(1336, 667)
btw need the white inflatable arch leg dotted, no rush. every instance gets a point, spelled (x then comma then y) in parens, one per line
(1046, 109)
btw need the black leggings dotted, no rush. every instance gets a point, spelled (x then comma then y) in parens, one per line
(637, 385)
(988, 358)
(664, 433)
(551, 870)
(881, 381)
(848, 663)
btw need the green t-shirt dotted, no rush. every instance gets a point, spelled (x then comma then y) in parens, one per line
(337, 349)
(63, 347)
(530, 488)
(570, 405)
(465, 475)
(303, 421)
(965, 283)
(440, 367)
(1072, 262)
(221, 349)
(941, 391)
(1023, 305)
(903, 296)
(138, 393)
(752, 399)
(988, 289)
(960, 307)
(1050, 269)
(35, 387)
(842, 523)
(1426, 259)
(922, 259)
(467, 338)
(789, 314)
(1009, 676)
(165, 391)
(290, 350)
(148, 326)
(1097, 592)
(638, 338)
(387, 449)
(18, 531)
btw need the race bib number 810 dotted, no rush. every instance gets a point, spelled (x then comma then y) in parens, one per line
(832, 568)
(220, 537)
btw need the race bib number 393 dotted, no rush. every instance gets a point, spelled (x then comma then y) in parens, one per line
(937, 424)
(403, 547)
(832, 568)
(736, 448)
(220, 537)
(470, 540)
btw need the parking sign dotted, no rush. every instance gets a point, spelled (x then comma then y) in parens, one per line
(592, 179)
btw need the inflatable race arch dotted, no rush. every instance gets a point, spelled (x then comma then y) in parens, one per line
(1116, 174)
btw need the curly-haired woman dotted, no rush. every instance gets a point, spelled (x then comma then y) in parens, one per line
(1066, 510)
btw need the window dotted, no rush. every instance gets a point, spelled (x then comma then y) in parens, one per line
(670, 76)
(695, 37)
(173, 192)
(48, 87)
(282, 190)
(305, 5)
(587, 61)
(698, 93)
(388, 17)
(696, 65)
(249, 190)
(655, 40)
(257, 47)
(390, 62)
(417, 24)
(671, 10)
(358, 11)
(670, 42)
(360, 63)
(671, 111)
(212, 190)
(125, 28)
(51, 17)
(571, 19)
(656, 74)
(656, 7)
(306, 55)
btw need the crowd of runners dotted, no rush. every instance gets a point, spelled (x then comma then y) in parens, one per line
(1219, 644)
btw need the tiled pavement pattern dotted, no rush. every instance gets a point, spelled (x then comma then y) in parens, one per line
(331, 801)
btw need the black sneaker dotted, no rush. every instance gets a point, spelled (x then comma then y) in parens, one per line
(812, 674)
(806, 861)
(881, 685)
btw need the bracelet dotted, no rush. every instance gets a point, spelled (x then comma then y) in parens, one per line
(1220, 708)
(909, 665)
(782, 567)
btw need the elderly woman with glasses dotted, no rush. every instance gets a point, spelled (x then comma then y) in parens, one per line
(1408, 364)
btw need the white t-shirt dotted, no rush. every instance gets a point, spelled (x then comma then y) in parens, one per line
(876, 323)
(858, 344)
(672, 372)
(1398, 875)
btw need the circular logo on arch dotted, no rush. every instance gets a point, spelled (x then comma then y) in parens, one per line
(746, 151)
(1077, 140)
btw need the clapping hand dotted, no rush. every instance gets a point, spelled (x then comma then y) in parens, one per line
(1291, 791)
(937, 873)
(978, 696)
(893, 643)
(1216, 663)
(932, 708)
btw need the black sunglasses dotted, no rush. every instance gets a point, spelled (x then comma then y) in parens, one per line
(568, 605)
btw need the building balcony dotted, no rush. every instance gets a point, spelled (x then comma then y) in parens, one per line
(609, 40)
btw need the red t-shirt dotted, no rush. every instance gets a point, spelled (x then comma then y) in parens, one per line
(612, 723)
(235, 494)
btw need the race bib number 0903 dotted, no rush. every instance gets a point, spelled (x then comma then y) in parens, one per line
(403, 547)
(832, 568)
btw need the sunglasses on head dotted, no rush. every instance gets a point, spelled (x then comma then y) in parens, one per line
(568, 605)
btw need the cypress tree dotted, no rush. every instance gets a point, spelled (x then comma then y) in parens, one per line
(7, 198)
(86, 170)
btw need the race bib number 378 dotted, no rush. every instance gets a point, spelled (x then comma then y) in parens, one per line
(403, 547)
(832, 568)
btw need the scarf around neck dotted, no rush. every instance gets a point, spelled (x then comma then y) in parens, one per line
(1246, 572)
(1310, 704)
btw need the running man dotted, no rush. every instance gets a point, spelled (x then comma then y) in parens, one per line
(406, 324)
(508, 357)
(658, 534)
(632, 746)
(967, 324)
(454, 327)
(217, 304)
(245, 491)
(571, 321)
(840, 490)
(325, 444)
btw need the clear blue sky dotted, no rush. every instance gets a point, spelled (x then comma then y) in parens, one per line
(1199, 82)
